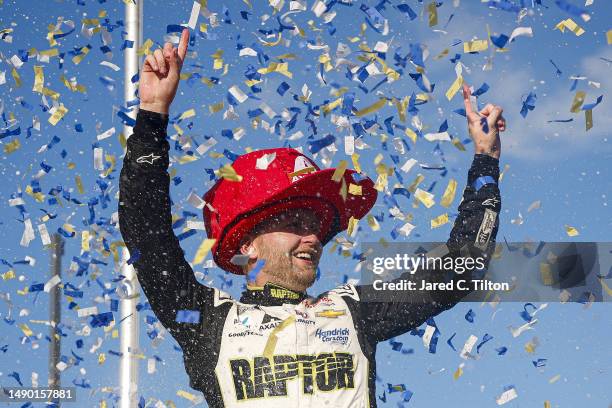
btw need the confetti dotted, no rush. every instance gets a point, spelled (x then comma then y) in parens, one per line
(427, 199)
(507, 396)
(570, 25)
(571, 231)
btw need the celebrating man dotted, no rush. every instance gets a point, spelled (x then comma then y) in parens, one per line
(278, 347)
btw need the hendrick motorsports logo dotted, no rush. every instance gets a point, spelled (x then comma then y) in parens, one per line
(338, 335)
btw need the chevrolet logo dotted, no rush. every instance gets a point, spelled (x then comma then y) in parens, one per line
(331, 313)
(150, 158)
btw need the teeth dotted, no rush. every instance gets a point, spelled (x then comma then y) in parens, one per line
(303, 255)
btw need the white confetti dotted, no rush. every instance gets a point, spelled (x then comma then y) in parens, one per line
(195, 12)
(521, 31)
(28, 233)
(99, 158)
(408, 165)
(195, 201)
(264, 161)
(51, 283)
(44, 234)
(106, 134)
(87, 311)
(468, 346)
(506, 396)
(238, 94)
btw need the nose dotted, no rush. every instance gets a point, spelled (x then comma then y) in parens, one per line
(311, 239)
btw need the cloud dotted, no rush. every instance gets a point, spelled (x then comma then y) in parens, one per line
(533, 138)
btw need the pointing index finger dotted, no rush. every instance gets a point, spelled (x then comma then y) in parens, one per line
(183, 43)
(466, 100)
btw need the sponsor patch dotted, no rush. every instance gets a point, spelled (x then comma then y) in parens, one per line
(337, 335)
(149, 158)
(331, 313)
(486, 228)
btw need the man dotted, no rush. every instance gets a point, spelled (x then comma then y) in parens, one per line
(277, 347)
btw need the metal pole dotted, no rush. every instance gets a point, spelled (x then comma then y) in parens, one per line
(129, 326)
(55, 314)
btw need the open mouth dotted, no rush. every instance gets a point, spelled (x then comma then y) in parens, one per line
(305, 256)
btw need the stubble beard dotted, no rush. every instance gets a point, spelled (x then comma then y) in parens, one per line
(279, 265)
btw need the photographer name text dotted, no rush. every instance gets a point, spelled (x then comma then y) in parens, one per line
(460, 284)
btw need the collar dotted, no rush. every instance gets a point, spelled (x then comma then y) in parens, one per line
(271, 295)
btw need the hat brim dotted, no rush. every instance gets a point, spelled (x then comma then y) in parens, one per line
(316, 191)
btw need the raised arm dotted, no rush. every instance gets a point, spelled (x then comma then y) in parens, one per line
(145, 217)
(475, 227)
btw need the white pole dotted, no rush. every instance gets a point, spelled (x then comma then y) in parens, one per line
(129, 327)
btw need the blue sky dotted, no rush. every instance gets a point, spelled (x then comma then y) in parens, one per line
(558, 164)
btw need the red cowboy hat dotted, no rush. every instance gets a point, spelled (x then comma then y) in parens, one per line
(291, 180)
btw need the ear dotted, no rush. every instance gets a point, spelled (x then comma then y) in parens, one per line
(249, 249)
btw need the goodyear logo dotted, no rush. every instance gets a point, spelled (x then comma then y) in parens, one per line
(263, 377)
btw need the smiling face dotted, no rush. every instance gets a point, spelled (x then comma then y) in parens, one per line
(289, 244)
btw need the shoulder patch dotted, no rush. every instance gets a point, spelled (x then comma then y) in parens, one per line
(221, 298)
(346, 290)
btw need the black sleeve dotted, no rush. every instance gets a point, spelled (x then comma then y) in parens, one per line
(145, 221)
(474, 230)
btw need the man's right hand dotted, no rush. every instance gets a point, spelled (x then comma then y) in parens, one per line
(484, 126)
(159, 77)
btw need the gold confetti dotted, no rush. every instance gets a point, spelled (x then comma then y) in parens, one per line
(411, 134)
(327, 108)
(475, 46)
(16, 77)
(39, 79)
(609, 37)
(352, 224)
(570, 25)
(588, 119)
(187, 395)
(578, 101)
(84, 51)
(372, 108)
(419, 178)
(85, 240)
(439, 221)
(79, 184)
(187, 114)
(458, 373)
(8, 275)
(433, 14)
(355, 160)
(454, 88)
(571, 231)
(58, 114)
(12, 146)
(228, 173)
(101, 358)
(339, 172)
(426, 198)
(546, 274)
(273, 338)
(145, 48)
(203, 250)
(280, 67)
(355, 189)
(214, 108)
(25, 329)
(449, 193)
(373, 223)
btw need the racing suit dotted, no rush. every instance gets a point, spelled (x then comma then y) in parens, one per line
(274, 347)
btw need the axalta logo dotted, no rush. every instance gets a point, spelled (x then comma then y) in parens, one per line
(264, 377)
(338, 335)
(301, 167)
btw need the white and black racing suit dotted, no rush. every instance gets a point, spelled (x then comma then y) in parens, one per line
(274, 347)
